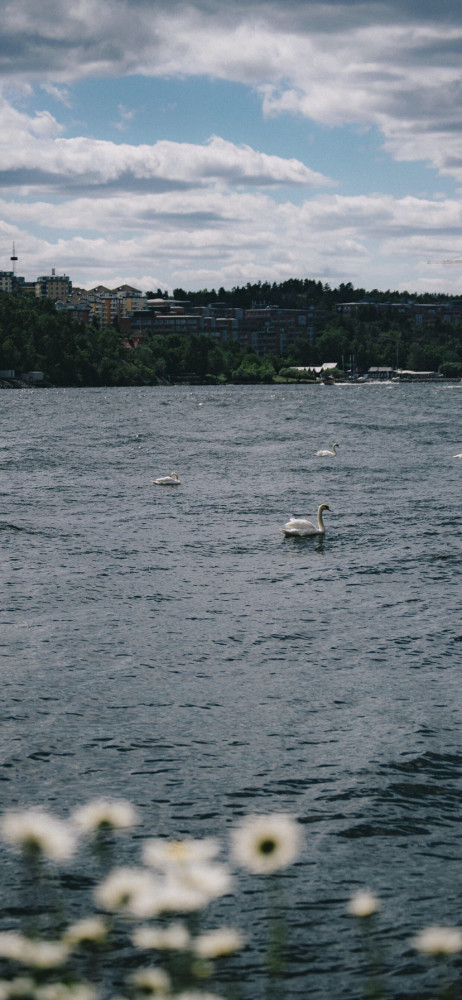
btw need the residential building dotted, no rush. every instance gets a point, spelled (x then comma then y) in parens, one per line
(53, 286)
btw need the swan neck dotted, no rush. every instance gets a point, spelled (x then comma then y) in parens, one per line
(320, 520)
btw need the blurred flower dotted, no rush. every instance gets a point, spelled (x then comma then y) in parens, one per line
(103, 814)
(196, 995)
(363, 904)
(175, 937)
(12, 945)
(44, 954)
(439, 941)
(133, 891)
(211, 880)
(176, 896)
(91, 929)
(223, 941)
(167, 853)
(21, 986)
(35, 830)
(264, 844)
(33, 951)
(151, 982)
(65, 991)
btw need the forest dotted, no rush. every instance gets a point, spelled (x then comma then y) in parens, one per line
(35, 336)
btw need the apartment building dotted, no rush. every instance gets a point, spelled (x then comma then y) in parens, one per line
(53, 286)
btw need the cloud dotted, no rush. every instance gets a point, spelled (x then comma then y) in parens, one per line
(392, 64)
(32, 153)
(126, 115)
(207, 213)
(219, 237)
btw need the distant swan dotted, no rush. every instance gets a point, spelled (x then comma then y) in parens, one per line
(328, 453)
(457, 456)
(300, 526)
(171, 480)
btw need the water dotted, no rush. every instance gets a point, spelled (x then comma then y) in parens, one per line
(169, 645)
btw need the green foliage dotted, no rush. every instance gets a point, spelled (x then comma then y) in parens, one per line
(451, 369)
(34, 335)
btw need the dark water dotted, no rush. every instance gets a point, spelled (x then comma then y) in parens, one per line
(172, 647)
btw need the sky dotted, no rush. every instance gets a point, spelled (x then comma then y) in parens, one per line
(218, 142)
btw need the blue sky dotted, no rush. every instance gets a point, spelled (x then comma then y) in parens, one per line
(213, 143)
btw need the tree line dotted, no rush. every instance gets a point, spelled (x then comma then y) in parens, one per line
(34, 335)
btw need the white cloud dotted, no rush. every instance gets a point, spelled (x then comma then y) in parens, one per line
(214, 237)
(393, 65)
(30, 144)
(205, 213)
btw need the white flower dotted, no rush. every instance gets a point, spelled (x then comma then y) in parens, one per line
(89, 929)
(21, 986)
(363, 904)
(196, 995)
(154, 981)
(223, 941)
(171, 853)
(211, 880)
(104, 814)
(173, 938)
(264, 844)
(65, 991)
(33, 951)
(12, 945)
(133, 891)
(439, 941)
(176, 896)
(35, 830)
(44, 954)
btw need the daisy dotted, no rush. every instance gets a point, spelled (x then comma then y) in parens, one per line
(196, 995)
(12, 945)
(176, 896)
(103, 814)
(21, 986)
(211, 880)
(37, 832)
(65, 991)
(163, 854)
(44, 954)
(173, 938)
(220, 942)
(363, 904)
(151, 981)
(439, 941)
(131, 891)
(265, 844)
(90, 929)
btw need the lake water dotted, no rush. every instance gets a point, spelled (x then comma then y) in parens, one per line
(170, 646)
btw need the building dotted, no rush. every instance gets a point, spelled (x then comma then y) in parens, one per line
(272, 330)
(53, 286)
(9, 281)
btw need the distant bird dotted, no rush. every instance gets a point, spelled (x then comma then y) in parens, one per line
(171, 480)
(300, 526)
(327, 453)
(457, 456)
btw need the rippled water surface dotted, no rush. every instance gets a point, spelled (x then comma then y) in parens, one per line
(169, 645)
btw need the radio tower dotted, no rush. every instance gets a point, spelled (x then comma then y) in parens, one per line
(13, 259)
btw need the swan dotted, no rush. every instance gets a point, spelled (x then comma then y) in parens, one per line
(328, 453)
(457, 456)
(171, 480)
(300, 526)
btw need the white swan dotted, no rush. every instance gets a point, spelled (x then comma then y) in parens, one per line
(171, 480)
(457, 456)
(328, 453)
(300, 526)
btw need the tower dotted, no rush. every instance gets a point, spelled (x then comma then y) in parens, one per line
(13, 259)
